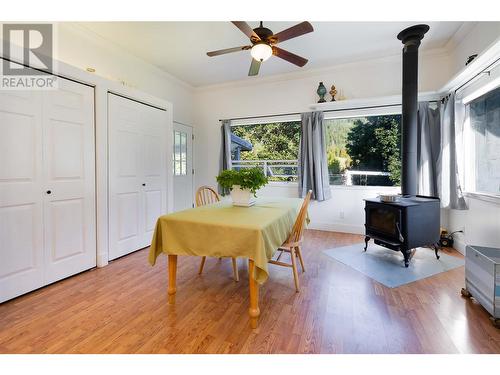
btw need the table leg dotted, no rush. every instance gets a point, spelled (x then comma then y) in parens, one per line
(172, 271)
(253, 311)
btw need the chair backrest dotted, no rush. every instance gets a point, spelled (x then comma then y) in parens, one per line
(206, 195)
(298, 228)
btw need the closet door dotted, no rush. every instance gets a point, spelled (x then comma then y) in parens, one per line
(137, 173)
(69, 183)
(125, 176)
(154, 168)
(21, 236)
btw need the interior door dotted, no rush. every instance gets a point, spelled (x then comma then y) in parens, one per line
(21, 244)
(182, 161)
(137, 173)
(69, 183)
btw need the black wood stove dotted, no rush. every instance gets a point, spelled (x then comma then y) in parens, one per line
(404, 225)
(413, 221)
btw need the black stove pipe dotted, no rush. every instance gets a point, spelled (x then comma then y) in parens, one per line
(411, 38)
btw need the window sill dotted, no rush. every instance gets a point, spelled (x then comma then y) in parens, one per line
(282, 183)
(363, 187)
(339, 187)
(485, 197)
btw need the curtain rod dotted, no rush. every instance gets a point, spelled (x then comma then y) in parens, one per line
(329, 110)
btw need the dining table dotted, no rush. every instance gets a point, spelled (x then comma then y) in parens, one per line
(225, 230)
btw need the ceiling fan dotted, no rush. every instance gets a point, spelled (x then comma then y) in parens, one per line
(264, 44)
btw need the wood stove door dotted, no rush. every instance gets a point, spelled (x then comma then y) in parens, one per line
(384, 220)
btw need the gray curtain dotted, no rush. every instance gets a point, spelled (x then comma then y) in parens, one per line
(449, 187)
(225, 154)
(313, 166)
(428, 149)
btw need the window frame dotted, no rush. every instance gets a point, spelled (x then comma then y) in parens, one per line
(263, 120)
(467, 159)
(379, 110)
(177, 157)
(373, 110)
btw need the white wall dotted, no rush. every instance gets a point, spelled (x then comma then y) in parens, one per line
(481, 223)
(296, 93)
(80, 47)
(344, 212)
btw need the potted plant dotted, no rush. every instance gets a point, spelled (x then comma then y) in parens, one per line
(243, 184)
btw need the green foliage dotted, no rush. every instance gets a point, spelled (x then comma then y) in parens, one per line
(275, 141)
(390, 144)
(375, 144)
(336, 132)
(246, 178)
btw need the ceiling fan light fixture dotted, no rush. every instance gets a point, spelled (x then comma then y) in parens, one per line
(261, 51)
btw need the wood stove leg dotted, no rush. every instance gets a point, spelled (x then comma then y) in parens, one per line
(367, 239)
(465, 293)
(436, 249)
(406, 254)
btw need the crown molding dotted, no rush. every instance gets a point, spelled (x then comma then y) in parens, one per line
(106, 43)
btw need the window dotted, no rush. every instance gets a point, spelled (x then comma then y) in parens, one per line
(363, 147)
(364, 150)
(273, 146)
(484, 139)
(180, 153)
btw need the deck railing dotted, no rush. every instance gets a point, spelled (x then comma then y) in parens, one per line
(274, 169)
(287, 170)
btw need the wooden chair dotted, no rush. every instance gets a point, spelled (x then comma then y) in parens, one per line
(207, 195)
(294, 241)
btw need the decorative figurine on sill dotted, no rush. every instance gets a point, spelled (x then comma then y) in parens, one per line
(321, 91)
(333, 92)
(341, 95)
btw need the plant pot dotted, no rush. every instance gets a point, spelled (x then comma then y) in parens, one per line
(242, 197)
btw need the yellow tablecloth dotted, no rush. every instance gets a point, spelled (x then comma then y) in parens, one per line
(223, 230)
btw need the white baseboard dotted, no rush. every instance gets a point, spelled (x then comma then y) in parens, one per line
(337, 227)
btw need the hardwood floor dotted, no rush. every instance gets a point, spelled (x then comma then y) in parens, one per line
(123, 308)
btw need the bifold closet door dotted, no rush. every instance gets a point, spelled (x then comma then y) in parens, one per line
(137, 173)
(47, 186)
(21, 224)
(69, 180)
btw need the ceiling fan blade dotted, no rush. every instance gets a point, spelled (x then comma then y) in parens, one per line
(288, 56)
(254, 68)
(246, 29)
(227, 50)
(294, 31)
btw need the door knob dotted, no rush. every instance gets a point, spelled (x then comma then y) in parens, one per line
(49, 192)
(143, 184)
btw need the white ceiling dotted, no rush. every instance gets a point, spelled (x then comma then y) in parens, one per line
(179, 48)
